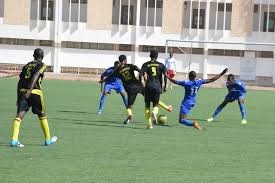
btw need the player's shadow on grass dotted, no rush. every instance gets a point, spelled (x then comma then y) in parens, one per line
(204, 120)
(81, 112)
(2, 144)
(96, 123)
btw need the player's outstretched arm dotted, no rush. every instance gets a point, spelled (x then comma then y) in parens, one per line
(106, 78)
(217, 76)
(172, 80)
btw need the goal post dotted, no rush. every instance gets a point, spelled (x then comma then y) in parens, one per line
(251, 61)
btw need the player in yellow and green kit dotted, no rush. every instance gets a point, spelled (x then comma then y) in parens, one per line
(132, 85)
(151, 77)
(30, 95)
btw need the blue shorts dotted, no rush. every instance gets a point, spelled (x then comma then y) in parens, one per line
(117, 87)
(233, 97)
(186, 108)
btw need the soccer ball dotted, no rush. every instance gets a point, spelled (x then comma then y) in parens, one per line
(162, 119)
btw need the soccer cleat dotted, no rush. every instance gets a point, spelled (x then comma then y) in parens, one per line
(244, 122)
(149, 126)
(99, 112)
(196, 125)
(154, 118)
(170, 108)
(210, 119)
(51, 141)
(127, 120)
(16, 143)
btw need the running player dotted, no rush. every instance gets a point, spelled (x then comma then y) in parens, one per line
(151, 77)
(132, 86)
(29, 94)
(191, 89)
(236, 91)
(113, 83)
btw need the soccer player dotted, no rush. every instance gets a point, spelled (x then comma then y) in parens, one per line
(112, 83)
(170, 64)
(191, 89)
(132, 86)
(29, 94)
(236, 91)
(151, 77)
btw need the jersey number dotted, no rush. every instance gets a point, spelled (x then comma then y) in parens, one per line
(126, 75)
(154, 71)
(194, 91)
(28, 72)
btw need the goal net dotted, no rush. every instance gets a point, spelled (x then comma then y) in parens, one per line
(249, 61)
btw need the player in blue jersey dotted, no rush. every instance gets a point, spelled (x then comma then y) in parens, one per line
(113, 83)
(236, 91)
(192, 87)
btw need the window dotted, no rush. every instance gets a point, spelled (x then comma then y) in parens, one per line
(271, 22)
(151, 3)
(86, 45)
(228, 7)
(77, 1)
(125, 47)
(146, 48)
(43, 12)
(264, 54)
(256, 8)
(223, 52)
(1, 8)
(28, 42)
(124, 15)
(195, 19)
(46, 43)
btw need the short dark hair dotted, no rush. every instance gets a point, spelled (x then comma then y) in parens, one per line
(192, 75)
(230, 76)
(116, 63)
(121, 58)
(154, 54)
(38, 53)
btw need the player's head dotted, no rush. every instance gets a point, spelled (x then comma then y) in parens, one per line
(230, 79)
(116, 64)
(122, 59)
(154, 54)
(192, 75)
(38, 54)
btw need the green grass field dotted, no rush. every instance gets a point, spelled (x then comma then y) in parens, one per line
(93, 148)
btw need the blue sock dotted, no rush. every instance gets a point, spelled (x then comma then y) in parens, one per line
(125, 101)
(186, 122)
(217, 111)
(101, 102)
(242, 109)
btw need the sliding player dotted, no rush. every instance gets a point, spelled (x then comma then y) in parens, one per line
(112, 83)
(236, 91)
(191, 89)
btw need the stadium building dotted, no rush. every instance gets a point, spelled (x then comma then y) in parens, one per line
(81, 34)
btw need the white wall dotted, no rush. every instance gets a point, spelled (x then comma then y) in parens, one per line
(103, 59)
(16, 54)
